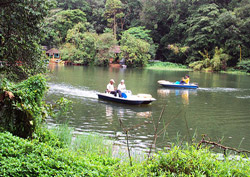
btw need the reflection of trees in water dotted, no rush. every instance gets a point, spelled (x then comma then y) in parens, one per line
(184, 93)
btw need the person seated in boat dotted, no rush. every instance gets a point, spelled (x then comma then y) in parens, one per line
(111, 89)
(185, 80)
(121, 86)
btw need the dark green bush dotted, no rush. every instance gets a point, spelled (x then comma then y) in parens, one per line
(22, 109)
(25, 111)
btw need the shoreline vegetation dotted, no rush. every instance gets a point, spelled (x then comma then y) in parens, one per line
(55, 152)
(159, 65)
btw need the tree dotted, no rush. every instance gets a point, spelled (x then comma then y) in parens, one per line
(167, 21)
(134, 51)
(131, 10)
(202, 30)
(59, 24)
(243, 19)
(104, 44)
(113, 12)
(21, 29)
(141, 33)
(81, 47)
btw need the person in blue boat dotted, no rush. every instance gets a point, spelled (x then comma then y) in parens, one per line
(111, 89)
(185, 80)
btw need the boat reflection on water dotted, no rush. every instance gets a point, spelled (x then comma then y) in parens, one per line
(125, 111)
(184, 93)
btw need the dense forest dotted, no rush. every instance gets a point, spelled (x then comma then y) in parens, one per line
(210, 34)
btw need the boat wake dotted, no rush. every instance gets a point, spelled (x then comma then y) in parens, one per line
(240, 93)
(221, 89)
(244, 97)
(71, 91)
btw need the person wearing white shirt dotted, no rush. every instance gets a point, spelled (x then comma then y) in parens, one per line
(111, 88)
(122, 86)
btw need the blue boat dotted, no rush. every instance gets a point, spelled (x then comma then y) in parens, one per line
(177, 85)
(132, 99)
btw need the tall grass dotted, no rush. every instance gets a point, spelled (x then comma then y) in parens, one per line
(88, 143)
(64, 133)
(93, 143)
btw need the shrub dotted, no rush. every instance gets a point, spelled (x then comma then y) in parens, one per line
(24, 112)
(22, 109)
(19, 157)
(217, 63)
(244, 65)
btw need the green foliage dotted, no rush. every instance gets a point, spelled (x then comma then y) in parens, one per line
(113, 12)
(166, 66)
(21, 30)
(140, 33)
(104, 44)
(219, 60)
(88, 48)
(244, 65)
(186, 161)
(134, 51)
(21, 157)
(81, 47)
(25, 112)
(22, 109)
(93, 143)
(198, 25)
(202, 27)
(144, 34)
(59, 23)
(217, 63)
(190, 161)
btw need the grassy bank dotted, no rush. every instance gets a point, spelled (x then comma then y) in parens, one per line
(167, 66)
(235, 71)
(179, 67)
(50, 155)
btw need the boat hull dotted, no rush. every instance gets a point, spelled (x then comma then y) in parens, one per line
(109, 97)
(168, 84)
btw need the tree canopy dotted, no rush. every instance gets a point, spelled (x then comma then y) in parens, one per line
(21, 30)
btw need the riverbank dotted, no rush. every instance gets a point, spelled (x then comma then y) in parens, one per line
(158, 65)
(53, 155)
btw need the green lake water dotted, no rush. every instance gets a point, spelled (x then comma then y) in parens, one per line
(220, 107)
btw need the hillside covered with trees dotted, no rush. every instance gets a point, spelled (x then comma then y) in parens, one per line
(200, 33)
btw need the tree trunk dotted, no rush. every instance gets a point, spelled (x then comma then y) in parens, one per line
(114, 28)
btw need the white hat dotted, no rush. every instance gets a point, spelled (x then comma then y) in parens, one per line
(122, 80)
(112, 80)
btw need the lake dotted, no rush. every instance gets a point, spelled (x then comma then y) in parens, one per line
(219, 108)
